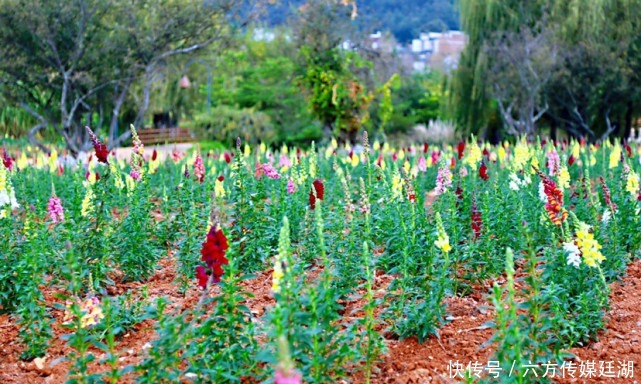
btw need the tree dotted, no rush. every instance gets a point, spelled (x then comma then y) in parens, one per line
(336, 96)
(76, 63)
(523, 64)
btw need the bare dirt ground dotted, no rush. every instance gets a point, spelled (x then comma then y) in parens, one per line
(406, 362)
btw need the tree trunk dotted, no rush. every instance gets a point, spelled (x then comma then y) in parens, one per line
(628, 122)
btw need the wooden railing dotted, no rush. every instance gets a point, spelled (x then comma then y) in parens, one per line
(165, 135)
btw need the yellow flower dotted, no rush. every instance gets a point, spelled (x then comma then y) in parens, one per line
(277, 276)
(52, 162)
(576, 150)
(397, 186)
(521, 155)
(355, 160)
(502, 154)
(474, 156)
(248, 150)
(262, 148)
(564, 178)
(632, 184)
(407, 166)
(401, 155)
(615, 157)
(22, 161)
(443, 241)
(376, 145)
(219, 189)
(590, 248)
(87, 202)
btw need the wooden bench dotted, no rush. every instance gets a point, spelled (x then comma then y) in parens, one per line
(166, 135)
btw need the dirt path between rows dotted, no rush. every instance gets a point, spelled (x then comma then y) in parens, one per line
(406, 362)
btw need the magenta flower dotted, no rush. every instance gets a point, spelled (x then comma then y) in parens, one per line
(270, 171)
(443, 180)
(135, 174)
(291, 188)
(54, 210)
(291, 377)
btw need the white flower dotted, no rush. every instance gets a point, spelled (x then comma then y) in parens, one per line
(527, 180)
(574, 255)
(542, 195)
(607, 215)
(514, 186)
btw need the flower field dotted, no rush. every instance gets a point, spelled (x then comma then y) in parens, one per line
(290, 265)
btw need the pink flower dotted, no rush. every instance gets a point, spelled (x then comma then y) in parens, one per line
(54, 210)
(291, 188)
(463, 171)
(291, 377)
(443, 180)
(436, 155)
(199, 169)
(135, 174)
(554, 162)
(422, 164)
(270, 171)
(285, 161)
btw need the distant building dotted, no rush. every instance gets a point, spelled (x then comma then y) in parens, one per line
(437, 50)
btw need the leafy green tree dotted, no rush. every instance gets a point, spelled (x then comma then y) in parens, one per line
(77, 63)
(336, 96)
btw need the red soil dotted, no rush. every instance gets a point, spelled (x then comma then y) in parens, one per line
(406, 361)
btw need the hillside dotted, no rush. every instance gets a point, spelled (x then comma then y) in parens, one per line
(404, 18)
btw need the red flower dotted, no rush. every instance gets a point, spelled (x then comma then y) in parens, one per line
(483, 171)
(628, 149)
(227, 157)
(459, 192)
(154, 155)
(461, 149)
(202, 276)
(394, 156)
(320, 193)
(571, 160)
(7, 161)
(221, 178)
(453, 162)
(486, 153)
(554, 206)
(477, 221)
(213, 254)
(101, 150)
(425, 147)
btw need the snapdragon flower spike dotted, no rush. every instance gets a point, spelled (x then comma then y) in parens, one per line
(55, 210)
(606, 195)
(319, 188)
(101, 150)
(483, 171)
(213, 254)
(477, 220)
(199, 169)
(461, 149)
(270, 171)
(554, 194)
(7, 160)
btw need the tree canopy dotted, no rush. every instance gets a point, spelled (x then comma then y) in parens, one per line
(76, 63)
